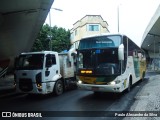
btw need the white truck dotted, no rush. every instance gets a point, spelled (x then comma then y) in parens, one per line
(44, 72)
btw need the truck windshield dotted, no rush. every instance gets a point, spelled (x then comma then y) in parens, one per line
(100, 42)
(30, 62)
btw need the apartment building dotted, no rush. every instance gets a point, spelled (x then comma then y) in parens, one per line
(88, 25)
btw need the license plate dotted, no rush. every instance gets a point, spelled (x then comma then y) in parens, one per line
(95, 88)
(89, 79)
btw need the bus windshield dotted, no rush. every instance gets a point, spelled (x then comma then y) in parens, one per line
(30, 62)
(101, 61)
(100, 42)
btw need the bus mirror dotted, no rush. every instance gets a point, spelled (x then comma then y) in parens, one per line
(121, 52)
(71, 52)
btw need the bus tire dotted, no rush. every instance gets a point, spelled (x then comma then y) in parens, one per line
(58, 88)
(143, 75)
(129, 84)
(96, 93)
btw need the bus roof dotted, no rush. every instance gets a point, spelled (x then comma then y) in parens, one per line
(102, 34)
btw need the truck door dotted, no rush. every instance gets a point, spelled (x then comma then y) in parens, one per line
(51, 67)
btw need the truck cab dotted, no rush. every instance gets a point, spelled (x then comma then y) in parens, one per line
(39, 73)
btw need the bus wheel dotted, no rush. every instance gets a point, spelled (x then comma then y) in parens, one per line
(143, 75)
(129, 85)
(97, 93)
(58, 89)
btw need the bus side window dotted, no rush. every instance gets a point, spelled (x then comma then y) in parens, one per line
(135, 53)
(125, 41)
(140, 55)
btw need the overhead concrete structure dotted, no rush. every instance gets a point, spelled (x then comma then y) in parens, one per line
(151, 39)
(151, 36)
(20, 22)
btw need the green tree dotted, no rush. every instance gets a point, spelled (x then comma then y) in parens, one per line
(58, 37)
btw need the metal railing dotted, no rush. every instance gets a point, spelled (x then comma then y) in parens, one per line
(3, 72)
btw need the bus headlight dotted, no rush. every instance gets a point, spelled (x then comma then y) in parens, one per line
(80, 82)
(114, 82)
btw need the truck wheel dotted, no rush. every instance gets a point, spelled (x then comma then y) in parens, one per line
(58, 89)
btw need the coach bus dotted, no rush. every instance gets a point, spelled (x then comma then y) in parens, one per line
(109, 63)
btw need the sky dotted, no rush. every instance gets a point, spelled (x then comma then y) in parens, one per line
(134, 15)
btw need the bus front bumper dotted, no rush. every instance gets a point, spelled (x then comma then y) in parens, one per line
(100, 88)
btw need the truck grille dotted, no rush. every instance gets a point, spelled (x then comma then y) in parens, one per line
(25, 85)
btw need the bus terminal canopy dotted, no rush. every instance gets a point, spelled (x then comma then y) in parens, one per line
(151, 36)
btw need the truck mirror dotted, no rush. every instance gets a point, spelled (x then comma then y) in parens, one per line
(121, 52)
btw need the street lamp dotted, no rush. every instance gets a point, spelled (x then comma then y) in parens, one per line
(50, 35)
(118, 17)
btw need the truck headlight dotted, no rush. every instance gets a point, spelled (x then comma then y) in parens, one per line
(39, 81)
(39, 86)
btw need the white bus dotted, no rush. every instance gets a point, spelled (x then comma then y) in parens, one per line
(109, 63)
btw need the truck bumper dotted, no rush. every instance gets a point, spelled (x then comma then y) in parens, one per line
(46, 88)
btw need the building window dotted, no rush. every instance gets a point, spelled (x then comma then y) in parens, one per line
(72, 36)
(93, 27)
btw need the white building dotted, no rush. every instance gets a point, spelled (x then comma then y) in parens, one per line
(88, 25)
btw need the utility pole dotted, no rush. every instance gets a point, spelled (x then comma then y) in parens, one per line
(50, 34)
(118, 17)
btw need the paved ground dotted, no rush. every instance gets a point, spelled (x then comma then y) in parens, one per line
(147, 100)
(85, 104)
(7, 86)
